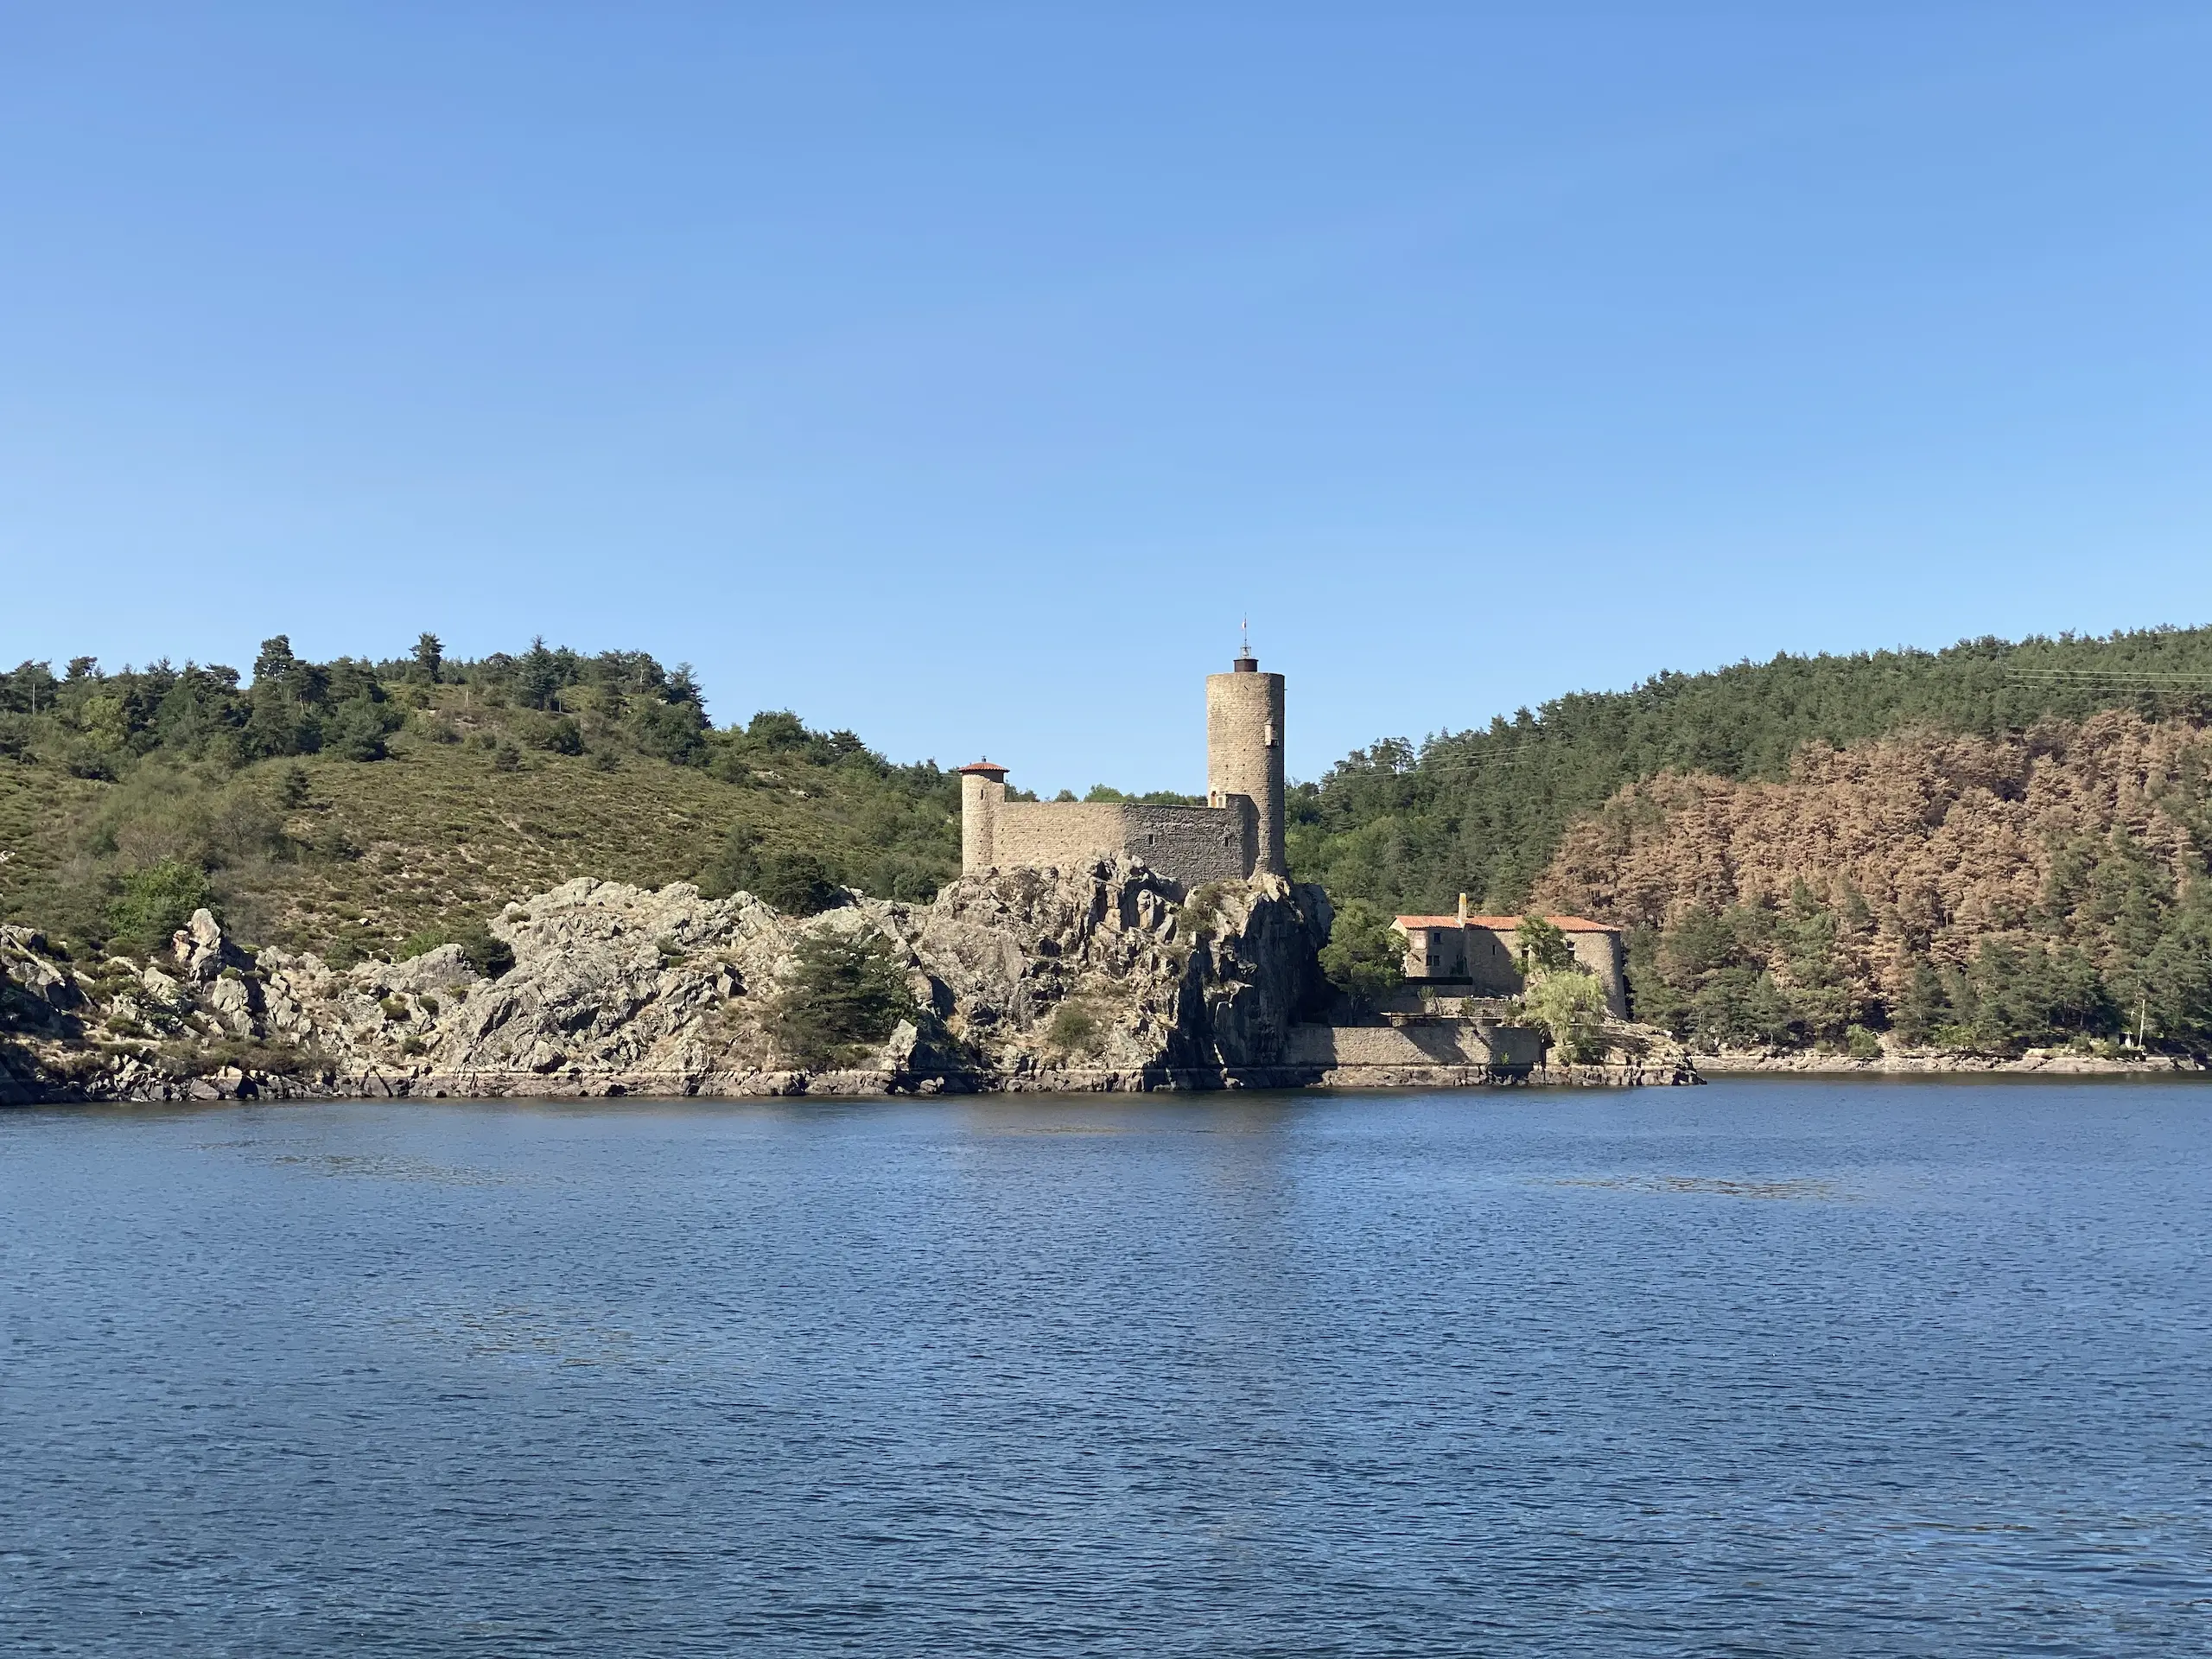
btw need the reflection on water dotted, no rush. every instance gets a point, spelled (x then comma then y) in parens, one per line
(1711, 1184)
(373, 1167)
(1773, 1366)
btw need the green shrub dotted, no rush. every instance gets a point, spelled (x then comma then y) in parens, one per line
(556, 733)
(489, 956)
(1862, 1043)
(675, 732)
(903, 873)
(194, 1057)
(154, 903)
(357, 728)
(1570, 1005)
(1543, 947)
(89, 760)
(1075, 1030)
(777, 730)
(1201, 909)
(1364, 957)
(170, 814)
(507, 758)
(845, 994)
(796, 881)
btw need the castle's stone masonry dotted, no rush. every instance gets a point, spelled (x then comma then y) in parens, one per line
(1191, 844)
(1244, 722)
(1238, 834)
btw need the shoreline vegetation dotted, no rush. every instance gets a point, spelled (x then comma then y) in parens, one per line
(2037, 1063)
(1990, 857)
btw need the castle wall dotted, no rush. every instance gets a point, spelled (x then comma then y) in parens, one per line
(1239, 832)
(1194, 844)
(1191, 844)
(1056, 835)
(1427, 1043)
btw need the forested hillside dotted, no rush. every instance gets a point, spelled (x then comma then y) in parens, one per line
(1960, 891)
(356, 806)
(1408, 826)
(1985, 848)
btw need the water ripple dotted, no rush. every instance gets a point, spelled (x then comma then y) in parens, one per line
(1773, 1367)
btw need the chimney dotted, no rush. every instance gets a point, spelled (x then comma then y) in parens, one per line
(1463, 910)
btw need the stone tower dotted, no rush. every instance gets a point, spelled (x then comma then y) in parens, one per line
(1244, 751)
(982, 792)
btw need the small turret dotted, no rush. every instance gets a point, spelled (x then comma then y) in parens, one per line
(982, 789)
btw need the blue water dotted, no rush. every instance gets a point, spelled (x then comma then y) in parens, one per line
(1767, 1367)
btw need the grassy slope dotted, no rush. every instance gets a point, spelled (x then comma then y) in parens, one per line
(381, 849)
(435, 828)
(36, 803)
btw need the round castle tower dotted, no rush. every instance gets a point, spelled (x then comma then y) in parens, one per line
(1244, 751)
(983, 788)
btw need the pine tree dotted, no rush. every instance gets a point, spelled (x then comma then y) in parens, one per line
(1923, 1008)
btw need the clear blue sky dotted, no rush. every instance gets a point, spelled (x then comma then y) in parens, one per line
(962, 374)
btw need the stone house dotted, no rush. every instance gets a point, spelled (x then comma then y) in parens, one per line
(1480, 955)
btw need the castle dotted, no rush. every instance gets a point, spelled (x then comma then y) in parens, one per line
(1238, 832)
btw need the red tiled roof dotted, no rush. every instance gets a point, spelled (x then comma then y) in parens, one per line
(988, 768)
(1510, 924)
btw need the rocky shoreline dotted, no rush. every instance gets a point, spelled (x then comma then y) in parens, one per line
(233, 1082)
(2034, 1062)
(1107, 979)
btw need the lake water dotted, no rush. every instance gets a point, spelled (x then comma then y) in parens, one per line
(1767, 1367)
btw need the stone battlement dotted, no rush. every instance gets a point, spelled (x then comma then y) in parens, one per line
(1238, 834)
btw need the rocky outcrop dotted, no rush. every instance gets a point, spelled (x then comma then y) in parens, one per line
(1105, 978)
